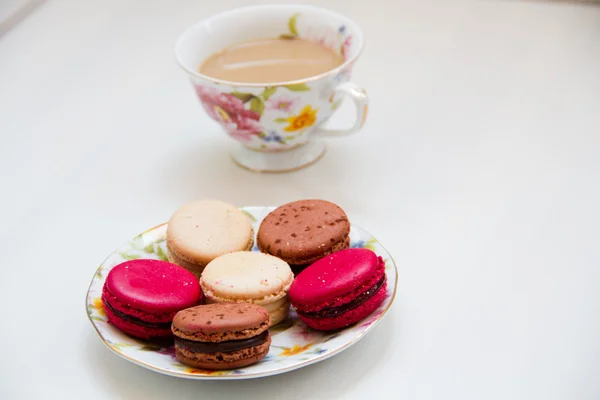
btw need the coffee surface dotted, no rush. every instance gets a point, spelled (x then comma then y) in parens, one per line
(270, 61)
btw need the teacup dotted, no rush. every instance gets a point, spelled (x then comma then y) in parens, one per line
(277, 125)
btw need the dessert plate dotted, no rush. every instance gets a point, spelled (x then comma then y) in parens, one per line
(293, 346)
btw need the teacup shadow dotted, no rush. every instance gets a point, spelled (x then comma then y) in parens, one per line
(206, 170)
(126, 380)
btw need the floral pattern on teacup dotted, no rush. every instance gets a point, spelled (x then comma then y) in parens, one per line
(345, 49)
(306, 118)
(282, 102)
(241, 113)
(227, 109)
(337, 40)
(276, 118)
(273, 136)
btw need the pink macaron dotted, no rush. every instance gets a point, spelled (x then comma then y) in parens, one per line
(340, 289)
(141, 297)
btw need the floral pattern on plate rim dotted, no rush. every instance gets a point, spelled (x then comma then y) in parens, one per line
(293, 346)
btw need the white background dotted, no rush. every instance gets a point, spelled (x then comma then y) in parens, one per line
(478, 169)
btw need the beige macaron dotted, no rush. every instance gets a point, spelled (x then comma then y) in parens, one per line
(203, 230)
(249, 277)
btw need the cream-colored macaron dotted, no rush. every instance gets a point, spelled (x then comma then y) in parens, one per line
(201, 231)
(249, 277)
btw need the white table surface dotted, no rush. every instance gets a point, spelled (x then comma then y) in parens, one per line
(479, 169)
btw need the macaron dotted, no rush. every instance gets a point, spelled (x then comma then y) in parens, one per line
(339, 290)
(221, 336)
(249, 277)
(141, 297)
(303, 232)
(200, 231)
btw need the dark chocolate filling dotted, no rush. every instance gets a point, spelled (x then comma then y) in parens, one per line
(228, 346)
(335, 311)
(137, 321)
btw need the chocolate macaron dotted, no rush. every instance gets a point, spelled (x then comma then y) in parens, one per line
(221, 336)
(303, 232)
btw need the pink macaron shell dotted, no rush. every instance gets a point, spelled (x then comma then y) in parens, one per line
(346, 297)
(118, 305)
(153, 286)
(349, 317)
(335, 275)
(136, 330)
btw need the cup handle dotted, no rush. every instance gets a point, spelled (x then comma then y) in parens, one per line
(361, 102)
